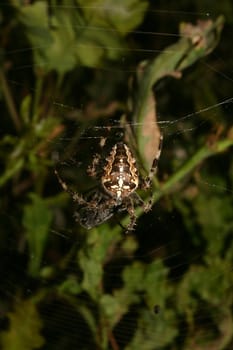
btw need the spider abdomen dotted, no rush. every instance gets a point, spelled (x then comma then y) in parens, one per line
(120, 177)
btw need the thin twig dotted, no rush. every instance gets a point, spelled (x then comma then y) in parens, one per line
(113, 341)
(191, 164)
(9, 101)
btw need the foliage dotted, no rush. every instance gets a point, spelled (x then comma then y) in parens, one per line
(23, 318)
(66, 288)
(36, 221)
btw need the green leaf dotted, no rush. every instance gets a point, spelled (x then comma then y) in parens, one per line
(112, 308)
(170, 62)
(211, 283)
(70, 286)
(129, 244)
(36, 220)
(101, 240)
(25, 109)
(91, 259)
(154, 331)
(93, 273)
(155, 284)
(24, 328)
(11, 169)
(122, 15)
(133, 276)
(93, 46)
(214, 215)
(66, 39)
(52, 45)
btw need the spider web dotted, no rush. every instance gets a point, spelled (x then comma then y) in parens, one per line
(170, 248)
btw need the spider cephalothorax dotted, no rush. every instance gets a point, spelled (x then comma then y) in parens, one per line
(119, 181)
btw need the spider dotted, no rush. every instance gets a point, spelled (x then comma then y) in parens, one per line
(119, 181)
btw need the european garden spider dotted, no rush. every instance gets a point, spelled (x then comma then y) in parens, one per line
(119, 181)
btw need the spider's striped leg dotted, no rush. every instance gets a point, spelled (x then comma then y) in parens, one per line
(92, 169)
(132, 215)
(146, 183)
(139, 201)
(75, 196)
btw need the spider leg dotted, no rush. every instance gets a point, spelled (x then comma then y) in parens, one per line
(75, 196)
(132, 215)
(139, 201)
(146, 182)
(92, 169)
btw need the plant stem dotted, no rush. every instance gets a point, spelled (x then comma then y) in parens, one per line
(202, 154)
(9, 101)
(113, 341)
(38, 90)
